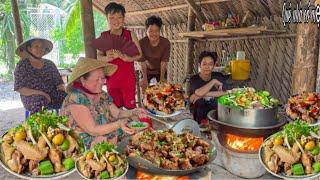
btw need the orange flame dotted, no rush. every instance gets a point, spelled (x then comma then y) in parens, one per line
(243, 143)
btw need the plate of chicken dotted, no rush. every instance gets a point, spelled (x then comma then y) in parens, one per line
(293, 153)
(305, 106)
(102, 161)
(164, 99)
(166, 152)
(43, 148)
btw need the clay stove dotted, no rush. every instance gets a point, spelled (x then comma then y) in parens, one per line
(237, 155)
(238, 147)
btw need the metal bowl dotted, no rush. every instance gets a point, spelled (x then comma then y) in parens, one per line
(29, 175)
(116, 178)
(247, 117)
(147, 166)
(282, 175)
(264, 131)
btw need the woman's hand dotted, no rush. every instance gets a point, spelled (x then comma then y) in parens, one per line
(46, 96)
(125, 128)
(139, 112)
(112, 54)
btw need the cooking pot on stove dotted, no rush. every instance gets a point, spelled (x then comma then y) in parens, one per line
(247, 117)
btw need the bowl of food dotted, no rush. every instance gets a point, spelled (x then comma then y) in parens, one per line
(247, 107)
(138, 126)
(43, 148)
(102, 161)
(164, 99)
(305, 106)
(166, 152)
(292, 153)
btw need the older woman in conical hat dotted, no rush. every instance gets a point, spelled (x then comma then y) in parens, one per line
(91, 111)
(37, 79)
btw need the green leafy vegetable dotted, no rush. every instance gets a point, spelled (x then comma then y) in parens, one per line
(296, 129)
(138, 125)
(248, 98)
(103, 147)
(41, 121)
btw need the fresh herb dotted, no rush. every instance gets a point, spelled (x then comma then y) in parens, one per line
(248, 98)
(138, 125)
(41, 121)
(296, 129)
(19, 128)
(103, 147)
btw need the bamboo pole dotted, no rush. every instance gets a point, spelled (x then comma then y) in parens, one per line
(88, 28)
(197, 11)
(17, 23)
(304, 75)
(190, 47)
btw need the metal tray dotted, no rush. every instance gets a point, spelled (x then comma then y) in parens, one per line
(147, 166)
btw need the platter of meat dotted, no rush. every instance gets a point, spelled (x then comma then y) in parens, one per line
(292, 153)
(43, 148)
(164, 99)
(102, 161)
(165, 152)
(305, 106)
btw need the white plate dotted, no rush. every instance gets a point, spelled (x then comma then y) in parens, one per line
(120, 177)
(282, 175)
(162, 114)
(130, 125)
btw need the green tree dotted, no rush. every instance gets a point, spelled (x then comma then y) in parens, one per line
(7, 33)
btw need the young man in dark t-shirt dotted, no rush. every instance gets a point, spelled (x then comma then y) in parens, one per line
(155, 52)
(206, 87)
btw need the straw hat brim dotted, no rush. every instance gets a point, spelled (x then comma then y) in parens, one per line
(23, 46)
(85, 65)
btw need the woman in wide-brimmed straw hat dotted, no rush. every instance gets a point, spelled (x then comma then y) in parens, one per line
(36, 79)
(90, 110)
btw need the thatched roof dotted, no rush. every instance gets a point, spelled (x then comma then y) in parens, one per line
(176, 11)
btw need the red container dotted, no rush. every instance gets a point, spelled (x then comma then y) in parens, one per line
(147, 120)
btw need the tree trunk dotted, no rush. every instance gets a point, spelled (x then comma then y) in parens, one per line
(304, 75)
(17, 23)
(88, 28)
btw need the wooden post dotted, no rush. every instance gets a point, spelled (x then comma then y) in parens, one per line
(190, 47)
(88, 28)
(196, 10)
(304, 75)
(17, 23)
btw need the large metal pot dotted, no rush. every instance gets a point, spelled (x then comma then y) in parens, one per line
(247, 117)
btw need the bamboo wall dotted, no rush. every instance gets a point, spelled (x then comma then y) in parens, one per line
(271, 57)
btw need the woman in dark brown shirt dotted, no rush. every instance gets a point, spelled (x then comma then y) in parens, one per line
(206, 87)
(155, 52)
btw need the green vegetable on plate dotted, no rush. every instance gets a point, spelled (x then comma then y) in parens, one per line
(68, 163)
(297, 169)
(104, 175)
(46, 167)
